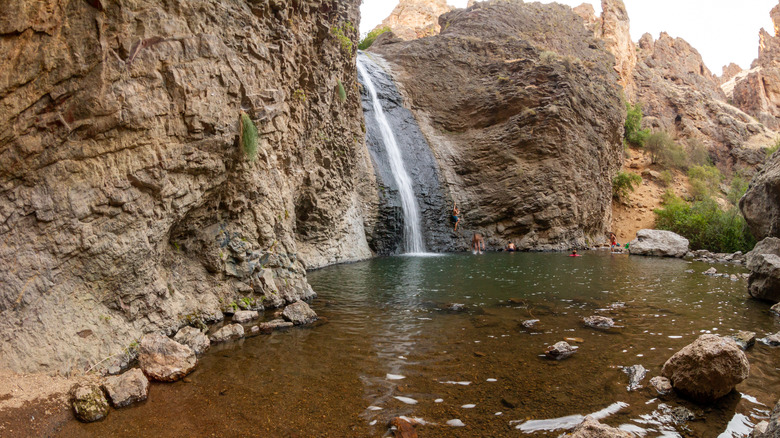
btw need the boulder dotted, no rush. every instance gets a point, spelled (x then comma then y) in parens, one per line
(193, 338)
(560, 350)
(244, 316)
(591, 428)
(707, 369)
(230, 332)
(89, 403)
(764, 265)
(299, 313)
(658, 243)
(599, 322)
(662, 385)
(164, 359)
(127, 388)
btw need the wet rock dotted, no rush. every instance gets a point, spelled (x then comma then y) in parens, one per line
(275, 324)
(560, 350)
(662, 385)
(760, 430)
(193, 338)
(599, 322)
(635, 375)
(681, 415)
(164, 359)
(128, 388)
(772, 340)
(771, 428)
(591, 428)
(299, 313)
(744, 339)
(658, 243)
(402, 428)
(764, 264)
(775, 309)
(89, 403)
(529, 323)
(711, 272)
(707, 369)
(230, 332)
(456, 307)
(254, 330)
(244, 316)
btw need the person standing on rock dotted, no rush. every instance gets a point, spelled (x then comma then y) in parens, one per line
(613, 240)
(456, 215)
(477, 243)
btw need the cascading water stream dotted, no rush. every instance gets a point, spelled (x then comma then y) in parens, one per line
(413, 239)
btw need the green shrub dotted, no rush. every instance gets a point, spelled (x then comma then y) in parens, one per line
(341, 92)
(737, 188)
(705, 224)
(698, 154)
(664, 151)
(772, 149)
(366, 42)
(623, 183)
(634, 135)
(666, 178)
(704, 181)
(248, 137)
(341, 34)
(547, 56)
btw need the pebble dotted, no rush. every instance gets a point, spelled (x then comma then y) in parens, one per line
(407, 400)
(395, 377)
(455, 423)
(468, 406)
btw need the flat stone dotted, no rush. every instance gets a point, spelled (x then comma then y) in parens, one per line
(275, 324)
(744, 339)
(244, 316)
(193, 338)
(164, 359)
(299, 313)
(127, 388)
(230, 332)
(89, 403)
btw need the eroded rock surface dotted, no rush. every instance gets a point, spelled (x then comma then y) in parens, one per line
(164, 359)
(522, 108)
(658, 243)
(126, 199)
(707, 369)
(127, 388)
(413, 19)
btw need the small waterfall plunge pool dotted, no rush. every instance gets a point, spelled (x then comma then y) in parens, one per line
(442, 339)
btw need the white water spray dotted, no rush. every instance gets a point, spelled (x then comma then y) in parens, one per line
(412, 235)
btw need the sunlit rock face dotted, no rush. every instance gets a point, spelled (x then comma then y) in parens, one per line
(413, 19)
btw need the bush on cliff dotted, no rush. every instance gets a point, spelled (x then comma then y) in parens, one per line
(634, 134)
(705, 224)
(366, 42)
(248, 136)
(623, 183)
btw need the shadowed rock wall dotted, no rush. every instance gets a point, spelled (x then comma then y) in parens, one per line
(127, 204)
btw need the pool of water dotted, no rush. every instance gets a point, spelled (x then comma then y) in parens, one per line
(442, 339)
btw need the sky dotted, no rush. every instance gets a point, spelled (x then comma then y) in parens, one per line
(723, 31)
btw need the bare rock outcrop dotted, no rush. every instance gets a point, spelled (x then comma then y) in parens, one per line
(707, 369)
(522, 108)
(413, 19)
(760, 205)
(127, 202)
(614, 29)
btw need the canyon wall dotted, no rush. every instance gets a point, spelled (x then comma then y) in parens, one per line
(127, 201)
(523, 110)
(413, 19)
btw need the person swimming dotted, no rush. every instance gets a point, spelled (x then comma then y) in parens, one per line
(511, 247)
(574, 253)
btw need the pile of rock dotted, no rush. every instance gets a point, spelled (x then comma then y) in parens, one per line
(702, 255)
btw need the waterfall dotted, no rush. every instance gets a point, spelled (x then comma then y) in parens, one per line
(413, 240)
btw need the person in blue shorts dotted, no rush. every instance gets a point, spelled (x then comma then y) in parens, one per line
(456, 216)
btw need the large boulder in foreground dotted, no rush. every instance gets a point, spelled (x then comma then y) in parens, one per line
(164, 359)
(127, 388)
(89, 403)
(591, 428)
(658, 243)
(764, 265)
(707, 369)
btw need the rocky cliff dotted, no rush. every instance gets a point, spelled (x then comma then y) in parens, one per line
(128, 203)
(413, 19)
(523, 110)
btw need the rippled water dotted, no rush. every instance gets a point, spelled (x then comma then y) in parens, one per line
(438, 339)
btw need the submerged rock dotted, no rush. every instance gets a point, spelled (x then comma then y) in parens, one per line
(658, 243)
(662, 385)
(599, 322)
(635, 375)
(707, 369)
(127, 388)
(230, 332)
(529, 323)
(275, 324)
(681, 415)
(244, 316)
(744, 339)
(164, 359)
(591, 428)
(402, 428)
(560, 350)
(89, 403)
(299, 313)
(193, 338)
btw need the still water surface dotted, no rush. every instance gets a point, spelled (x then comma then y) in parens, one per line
(394, 345)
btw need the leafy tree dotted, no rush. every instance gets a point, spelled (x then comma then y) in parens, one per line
(623, 183)
(634, 134)
(366, 42)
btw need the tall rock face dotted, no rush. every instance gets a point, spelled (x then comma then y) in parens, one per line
(128, 203)
(413, 19)
(614, 29)
(757, 91)
(681, 96)
(522, 108)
